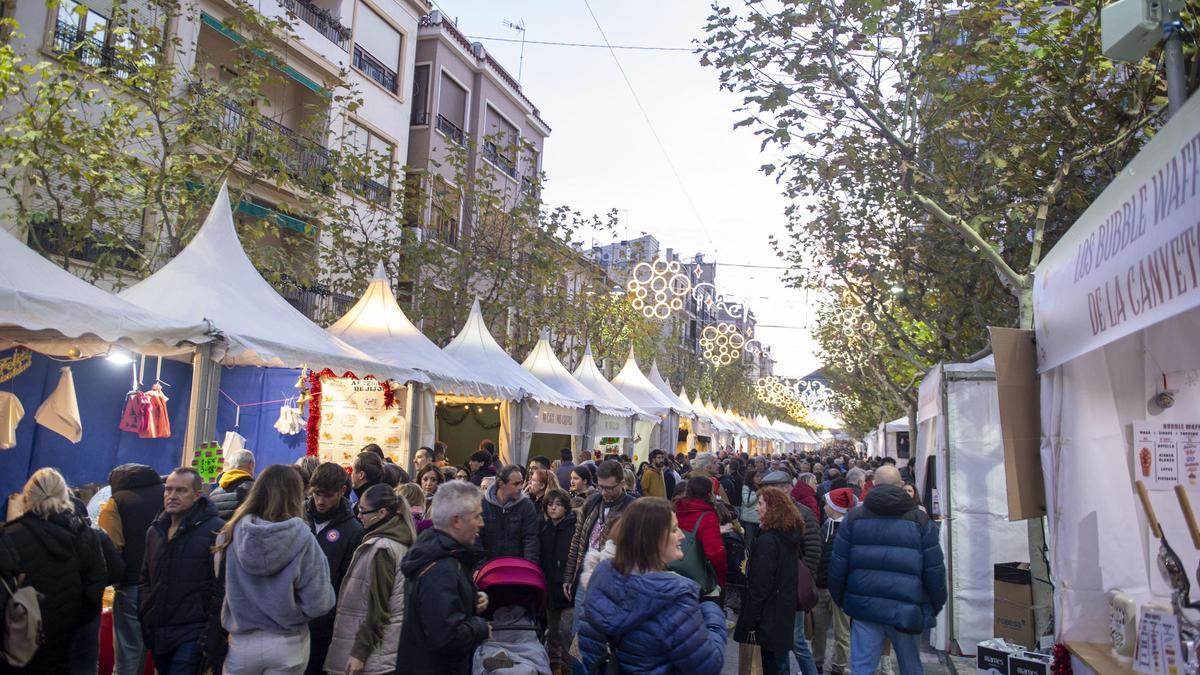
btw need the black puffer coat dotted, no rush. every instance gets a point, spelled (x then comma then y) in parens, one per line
(137, 490)
(509, 530)
(555, 547)
(338, 539)
(60, 557)
(769, 604)
(441, 630)
(228, 499)
(177, 578)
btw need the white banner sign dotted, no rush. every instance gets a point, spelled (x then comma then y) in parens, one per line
(353, 415)
(1133, 258)
(702, 427)
(553, 419)
(611, 426)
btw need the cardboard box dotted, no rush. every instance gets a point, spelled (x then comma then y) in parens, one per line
(1013, 615)
(1029, 663)
(990, 661)
(1018, 386)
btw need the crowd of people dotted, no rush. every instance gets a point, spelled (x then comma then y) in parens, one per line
(312, 567)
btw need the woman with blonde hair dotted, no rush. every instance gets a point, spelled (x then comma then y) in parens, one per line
(370, 613)
(539, 484)
(276, 578)
(414, 496)
(60, 557)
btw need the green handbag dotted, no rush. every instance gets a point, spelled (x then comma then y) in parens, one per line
(694, 565)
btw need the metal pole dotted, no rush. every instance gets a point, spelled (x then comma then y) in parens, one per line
(1176, 72)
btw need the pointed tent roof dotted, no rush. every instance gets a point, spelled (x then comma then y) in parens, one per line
(634, 385)
(680, 405)
(546, 366)
(43, 303)
(378, 326)
(212, 279)
(590, 376)
(477, 350)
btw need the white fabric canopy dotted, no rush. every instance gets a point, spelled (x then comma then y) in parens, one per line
(680, 405)
(378, 326)
(898, 424)
(605, 394)
(634, 385)
(42, 303)
(212, 279)
(477, 350)
(546, 367)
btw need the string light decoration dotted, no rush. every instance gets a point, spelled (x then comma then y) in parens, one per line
(658, 288)
(722, 343)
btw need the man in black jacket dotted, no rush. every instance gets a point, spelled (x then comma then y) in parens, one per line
(338, 534)
(441, 630)
(137, 496)
(596, 519)
(510, 518)
(177, 576)
(234, 484)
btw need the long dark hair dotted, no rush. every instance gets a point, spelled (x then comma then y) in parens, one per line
(384, 497)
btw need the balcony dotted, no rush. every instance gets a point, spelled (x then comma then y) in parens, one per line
(321, 20)
(256, 138)
(50, 237)
(374, 69)
(374, 191)
(419, 118)
(451, 130)
(90, 50)
(506, 165)
(315, 301)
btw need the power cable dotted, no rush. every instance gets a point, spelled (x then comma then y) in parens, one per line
(661, 146)
(583, 44)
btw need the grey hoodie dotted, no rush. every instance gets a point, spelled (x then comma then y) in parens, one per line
(276, 578)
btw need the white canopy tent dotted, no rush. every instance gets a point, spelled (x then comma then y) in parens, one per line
(546, 411)
(960, 459)
(638, 389)
(1117, 312)
(50, 310)
(702, 427)
(602, 425)
(546, 366)
(887, 439)
(687, 415)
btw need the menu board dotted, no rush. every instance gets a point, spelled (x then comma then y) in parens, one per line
(353, 414)
(1158, 648)
(1166, 455)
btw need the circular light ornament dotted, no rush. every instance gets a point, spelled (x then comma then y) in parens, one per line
(722, 343)
(658, 288)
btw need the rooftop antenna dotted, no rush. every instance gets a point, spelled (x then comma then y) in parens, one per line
(519, 27)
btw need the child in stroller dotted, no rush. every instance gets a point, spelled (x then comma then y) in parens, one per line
(516, 590)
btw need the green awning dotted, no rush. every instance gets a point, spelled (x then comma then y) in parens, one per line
(291, 72)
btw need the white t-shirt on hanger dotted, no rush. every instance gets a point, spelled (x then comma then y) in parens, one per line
(11, 412)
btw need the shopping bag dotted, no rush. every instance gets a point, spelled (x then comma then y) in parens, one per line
(749, 660)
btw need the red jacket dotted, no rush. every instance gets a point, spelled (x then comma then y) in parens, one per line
(805, 496)
(688, 512)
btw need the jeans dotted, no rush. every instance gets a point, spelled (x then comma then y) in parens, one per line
(775, 663)
(85, 648)
(258, 652)
(800, 650)
(129, 653)
(866, 646)
(183, 660)
(825, 613)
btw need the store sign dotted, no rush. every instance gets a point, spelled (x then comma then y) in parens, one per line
(702, 427)
(353, 415)
(611, 426)
(553, 419)
(1133, 258)
(1166, 455)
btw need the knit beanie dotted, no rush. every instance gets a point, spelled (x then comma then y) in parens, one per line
(841, 500)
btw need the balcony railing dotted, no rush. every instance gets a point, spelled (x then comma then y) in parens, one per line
(69, 39)
(505, 164)
(451, 130)
(255, 137)
(375, 191)
(374, 68)
(419, 118)
(49, 236)
(314, 301)
(322, 20)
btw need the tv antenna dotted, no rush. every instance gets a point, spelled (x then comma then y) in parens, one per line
(519, 26)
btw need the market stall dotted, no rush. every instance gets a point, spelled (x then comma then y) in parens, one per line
(1117, 315)
(641, 391)
(70, 354)
(609, 433)
(528, 406)
(892, 439)
(703, 434)
(685, 437)
(958, 422)
(274, 357)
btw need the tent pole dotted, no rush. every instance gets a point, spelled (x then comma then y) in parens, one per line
(414, 431)
(201, 424)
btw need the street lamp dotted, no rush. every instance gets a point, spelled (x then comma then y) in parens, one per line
(1129, 29)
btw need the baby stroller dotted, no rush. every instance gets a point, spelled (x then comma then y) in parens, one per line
(516, 590)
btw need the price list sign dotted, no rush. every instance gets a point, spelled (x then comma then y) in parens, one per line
(1166, 455)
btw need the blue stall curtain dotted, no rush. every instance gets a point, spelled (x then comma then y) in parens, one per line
(248, 386)
(100, 387)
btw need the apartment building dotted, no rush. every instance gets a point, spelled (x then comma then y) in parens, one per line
(361, 48)
(465, 102)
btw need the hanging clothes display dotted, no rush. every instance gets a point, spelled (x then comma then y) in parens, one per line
(60, 412)
(11, 412)
(137, 407)
(289, 422)
(233, 442)
(156, 424)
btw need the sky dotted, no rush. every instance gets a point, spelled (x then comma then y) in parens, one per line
(603, 154)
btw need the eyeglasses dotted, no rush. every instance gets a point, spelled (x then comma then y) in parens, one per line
(358, 513)
(610, 488)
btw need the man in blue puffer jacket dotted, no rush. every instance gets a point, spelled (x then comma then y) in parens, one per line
(888, 574)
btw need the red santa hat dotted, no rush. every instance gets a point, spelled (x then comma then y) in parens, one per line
(841, 500)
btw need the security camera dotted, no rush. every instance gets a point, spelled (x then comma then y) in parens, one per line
(1129, 29)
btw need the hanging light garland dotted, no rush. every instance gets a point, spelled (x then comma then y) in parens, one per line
(722, 343)
(658, 288)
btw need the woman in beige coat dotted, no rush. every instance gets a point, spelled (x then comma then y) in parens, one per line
(370, 609)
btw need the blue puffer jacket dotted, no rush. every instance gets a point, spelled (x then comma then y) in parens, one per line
(655, 622)
(887, 565)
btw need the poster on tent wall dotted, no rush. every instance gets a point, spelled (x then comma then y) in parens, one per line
(1166, 455)
(553, 419)
(1133, 258)
(356, 412)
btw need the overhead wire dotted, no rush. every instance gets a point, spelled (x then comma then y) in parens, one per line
(584, 44)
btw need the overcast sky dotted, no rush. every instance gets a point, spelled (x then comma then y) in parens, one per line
(603, 155)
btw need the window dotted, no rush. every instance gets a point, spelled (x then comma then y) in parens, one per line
(443, 216)
(84, 29)
(501, 142)
(376, 182)
(377, 49)
(420, 96)
(452, 110)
